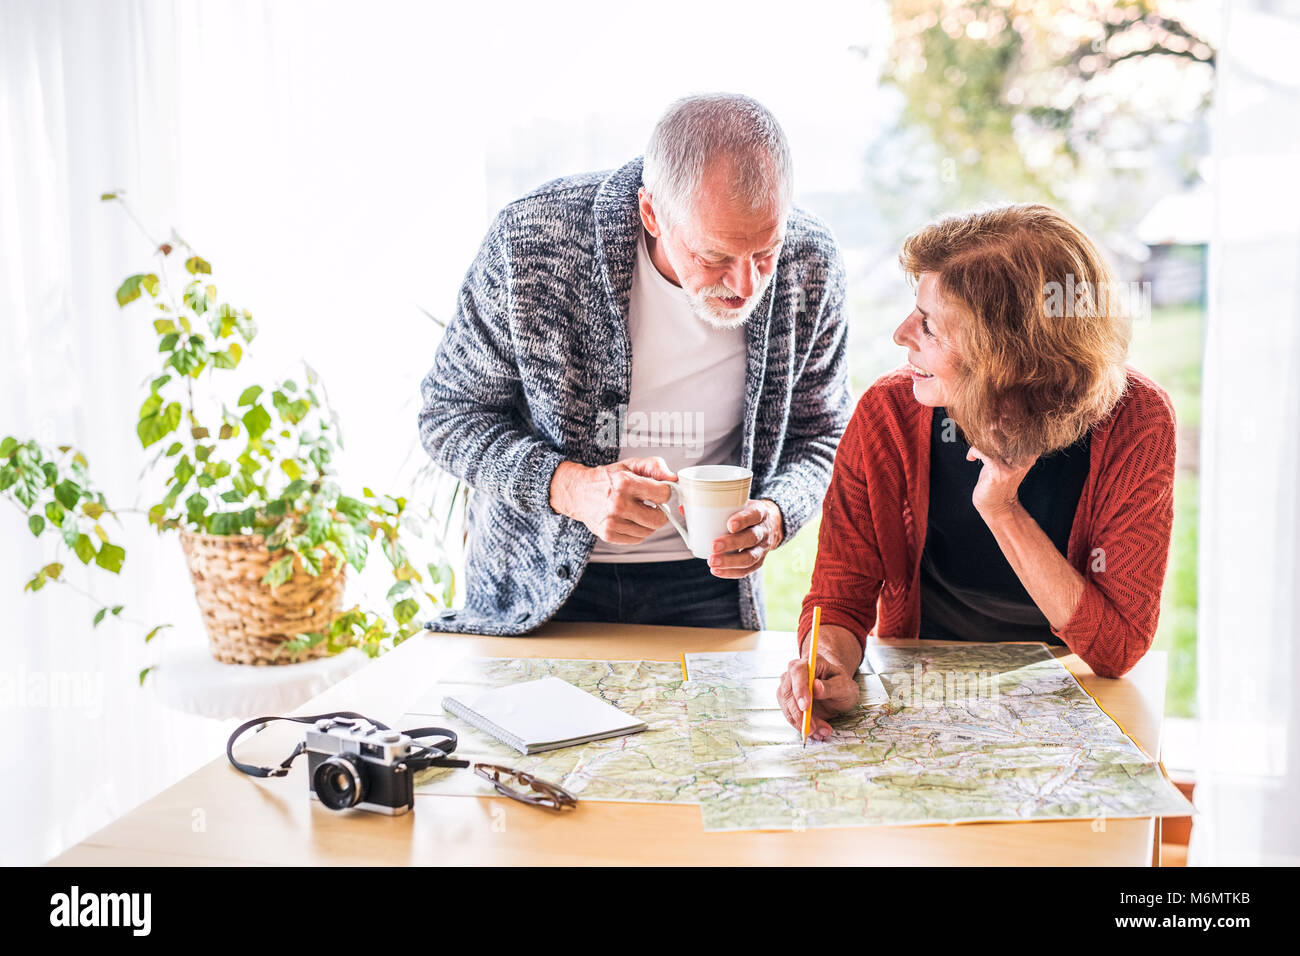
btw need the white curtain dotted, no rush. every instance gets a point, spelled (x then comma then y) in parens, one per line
(330, 207)
(1248, 781)
(337, 163)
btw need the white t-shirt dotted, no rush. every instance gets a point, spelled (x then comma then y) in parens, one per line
(687, 397)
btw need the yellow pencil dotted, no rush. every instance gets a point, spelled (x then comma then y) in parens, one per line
(812, 672)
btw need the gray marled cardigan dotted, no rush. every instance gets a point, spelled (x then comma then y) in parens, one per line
(538, 349)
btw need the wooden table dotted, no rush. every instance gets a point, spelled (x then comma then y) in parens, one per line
(220, 816)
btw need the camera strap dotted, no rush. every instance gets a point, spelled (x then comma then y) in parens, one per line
(428, 755)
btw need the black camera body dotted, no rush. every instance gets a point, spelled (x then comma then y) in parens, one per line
(351, 763)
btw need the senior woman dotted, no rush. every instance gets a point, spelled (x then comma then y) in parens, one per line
(1014, 481)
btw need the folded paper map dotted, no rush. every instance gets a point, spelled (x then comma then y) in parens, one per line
(942, 734)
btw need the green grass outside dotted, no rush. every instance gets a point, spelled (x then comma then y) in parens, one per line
(1167, 347)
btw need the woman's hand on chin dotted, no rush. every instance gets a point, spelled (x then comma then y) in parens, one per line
(996, 491)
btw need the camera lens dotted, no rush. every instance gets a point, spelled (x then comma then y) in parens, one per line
(339, 782)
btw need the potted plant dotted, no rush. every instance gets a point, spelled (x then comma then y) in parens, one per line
(249, 487)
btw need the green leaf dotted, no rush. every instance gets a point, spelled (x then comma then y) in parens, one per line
(52, 571)
(279, 572)
(223, 321)
(318, 524)
(168, 341)
(150, 284)
(154, 633)
(110, 557)
(7, 447)
(151, 406)
(291, 468)
(249, 395)
(99, 616)
(163, 326)
(445, 575)
(336, 554)
(143, 674)
(313, 560)
(115, 610)
(55, 512)
(36, 523)
(247, 327)
(93, 510)
(67, 493)
(396, 555)
(194, 265)
(84, 548)
(26, 489)
(257, 420)
(159, 382)
(229, 358)
(173, 449)
(356, 548)
(129, 290)
(50, 471)
(281, 403)
(196, 297)
(401, 587)
(352, 508)
(195, 505)
(243, 484)
(187, 361)
(156, 427)
(182, 474)
(403, 611)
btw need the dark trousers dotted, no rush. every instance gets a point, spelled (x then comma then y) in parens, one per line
(683, 593)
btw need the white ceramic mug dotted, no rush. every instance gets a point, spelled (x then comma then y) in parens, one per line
(710, 494)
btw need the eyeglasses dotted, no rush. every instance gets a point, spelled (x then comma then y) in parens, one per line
(544, 794)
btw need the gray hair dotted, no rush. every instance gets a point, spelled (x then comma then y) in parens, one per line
(698, 130)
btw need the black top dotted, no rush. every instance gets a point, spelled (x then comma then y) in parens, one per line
(968, 590)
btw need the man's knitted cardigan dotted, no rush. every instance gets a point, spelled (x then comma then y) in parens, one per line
(867, 576)
(537, 359)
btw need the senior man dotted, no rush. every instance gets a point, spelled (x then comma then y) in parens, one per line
(616, 327)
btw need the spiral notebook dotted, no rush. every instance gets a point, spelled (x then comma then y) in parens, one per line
(539, 715)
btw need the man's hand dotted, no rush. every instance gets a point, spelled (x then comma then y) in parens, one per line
(618, 502)
(755, 530)
(835, 687)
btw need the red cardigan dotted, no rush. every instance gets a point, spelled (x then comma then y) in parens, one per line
(874, 520)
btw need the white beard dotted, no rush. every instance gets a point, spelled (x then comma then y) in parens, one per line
(720, 317)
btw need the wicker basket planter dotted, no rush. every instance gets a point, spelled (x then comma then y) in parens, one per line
(246, 620)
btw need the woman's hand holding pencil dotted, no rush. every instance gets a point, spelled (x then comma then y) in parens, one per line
(834, 686)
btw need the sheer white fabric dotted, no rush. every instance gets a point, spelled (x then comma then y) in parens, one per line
(338, 164)
(1248, 781)
(330, 207)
